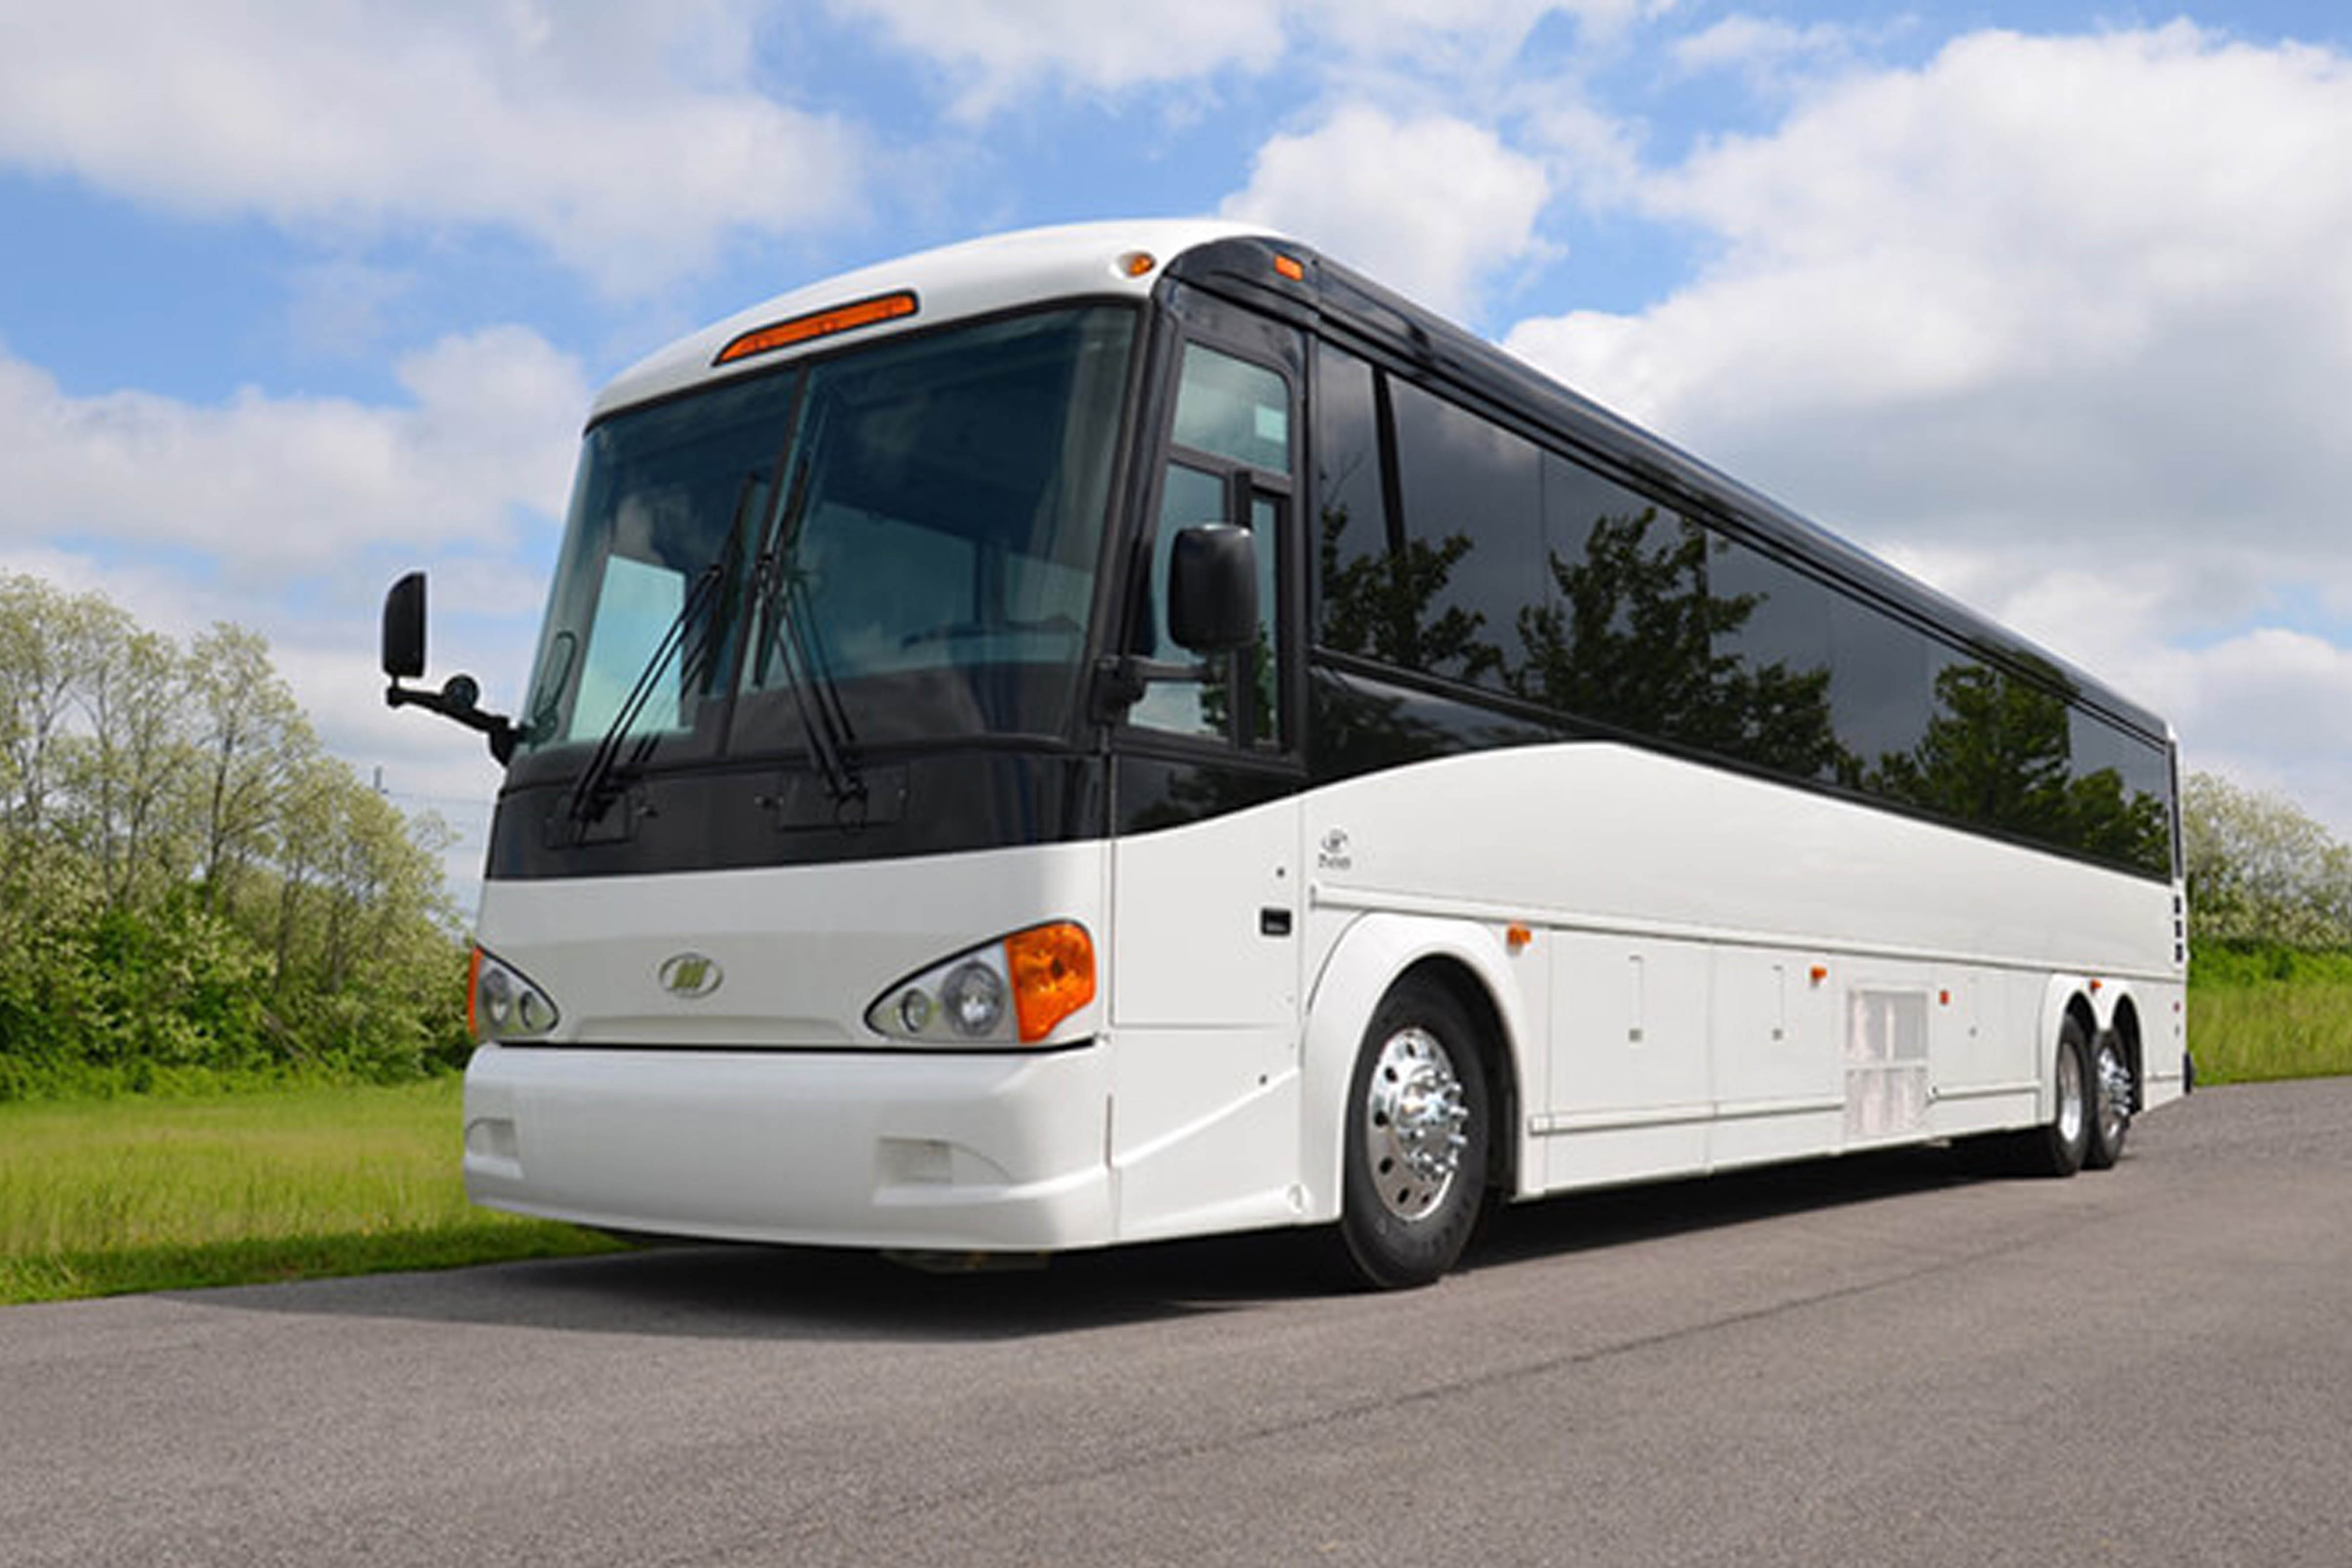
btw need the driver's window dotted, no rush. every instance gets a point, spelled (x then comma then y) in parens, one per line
(1230, 416)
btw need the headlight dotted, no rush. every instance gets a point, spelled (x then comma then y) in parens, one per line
(1017, 989)
(503, 1004)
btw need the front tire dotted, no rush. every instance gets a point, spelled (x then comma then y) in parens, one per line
(1420, 1123)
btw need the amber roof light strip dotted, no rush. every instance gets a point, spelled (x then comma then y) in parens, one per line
(817, 324)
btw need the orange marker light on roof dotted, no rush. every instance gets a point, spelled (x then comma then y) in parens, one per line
(1290, 267)
(818, 324)
(1136, 263)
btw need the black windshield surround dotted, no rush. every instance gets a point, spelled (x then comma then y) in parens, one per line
(891, 643)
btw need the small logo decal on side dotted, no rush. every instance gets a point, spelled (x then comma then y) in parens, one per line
(691, 976)
(1332, 854)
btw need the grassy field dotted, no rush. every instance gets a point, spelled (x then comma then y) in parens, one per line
(2255, 1034)
(101, 1198)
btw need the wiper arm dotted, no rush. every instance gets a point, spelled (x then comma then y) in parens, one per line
(817, 697)
(788, 625)
(600, 783)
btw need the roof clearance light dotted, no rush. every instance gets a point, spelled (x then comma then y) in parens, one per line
(1290, 267)
(1136, 263)
(818, 324)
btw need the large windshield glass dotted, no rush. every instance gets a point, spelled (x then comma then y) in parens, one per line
(899, 541)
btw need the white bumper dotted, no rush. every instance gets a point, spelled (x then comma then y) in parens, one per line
(884, 1149)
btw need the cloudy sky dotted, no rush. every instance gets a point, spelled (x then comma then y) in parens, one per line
(2052, 303)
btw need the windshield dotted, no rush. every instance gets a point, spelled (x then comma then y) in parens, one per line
(898, 541)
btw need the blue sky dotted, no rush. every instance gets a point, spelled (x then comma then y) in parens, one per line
(2048, 302)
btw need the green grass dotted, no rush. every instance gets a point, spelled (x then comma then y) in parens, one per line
(2271, 1030)
(2260, 1013)
(101, 1198)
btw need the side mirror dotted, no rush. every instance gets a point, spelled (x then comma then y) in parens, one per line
(459, 698)
(404, 628)
(1212, 589)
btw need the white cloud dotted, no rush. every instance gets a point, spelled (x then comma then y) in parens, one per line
(626, 139)
(2059, 321)
(1770, 55)
(1000, 51)
(997, 52)
(2018, 282)
(271, 489)
(1432, 207)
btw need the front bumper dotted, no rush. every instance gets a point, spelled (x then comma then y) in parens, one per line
(995, 1152)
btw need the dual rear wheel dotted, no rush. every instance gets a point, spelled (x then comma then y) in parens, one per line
(2095, 1107)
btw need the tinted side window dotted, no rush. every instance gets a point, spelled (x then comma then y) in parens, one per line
(1354, 609)
(2118, 795)
(1771, 669)
(1881, 685)
(1473, 565)
(1622, 637)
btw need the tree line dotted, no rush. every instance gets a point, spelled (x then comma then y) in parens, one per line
(191, 889)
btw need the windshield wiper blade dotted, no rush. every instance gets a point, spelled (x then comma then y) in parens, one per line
(817, 697)
(602, 782)
(788, 625)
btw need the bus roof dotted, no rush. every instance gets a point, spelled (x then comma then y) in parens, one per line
(972, 278)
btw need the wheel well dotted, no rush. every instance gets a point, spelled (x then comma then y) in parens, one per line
(1494, 1055)
(2078, 1008)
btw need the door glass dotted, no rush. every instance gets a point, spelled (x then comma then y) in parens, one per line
(1230, 409)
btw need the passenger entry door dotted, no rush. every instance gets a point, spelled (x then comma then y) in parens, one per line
(1204, 972)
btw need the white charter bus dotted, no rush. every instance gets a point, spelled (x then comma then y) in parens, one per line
(1135, 730)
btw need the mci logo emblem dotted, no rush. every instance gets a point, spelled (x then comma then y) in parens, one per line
(691, 976)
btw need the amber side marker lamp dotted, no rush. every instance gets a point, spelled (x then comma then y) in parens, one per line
(817, 324)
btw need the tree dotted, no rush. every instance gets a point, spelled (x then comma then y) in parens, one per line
(2261, 871)
(187, 879)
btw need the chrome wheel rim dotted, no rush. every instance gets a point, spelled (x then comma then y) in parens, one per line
(2072, 1114)
(1414, 1116)
(2114, 1096)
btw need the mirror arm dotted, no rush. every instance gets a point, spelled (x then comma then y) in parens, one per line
(457, 700)
(1121, 679)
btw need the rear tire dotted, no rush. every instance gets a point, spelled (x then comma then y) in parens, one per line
(1419, 1124)
(2111, 1102)
(2060, 1148)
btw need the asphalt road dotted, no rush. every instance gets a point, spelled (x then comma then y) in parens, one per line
(1876, 1362)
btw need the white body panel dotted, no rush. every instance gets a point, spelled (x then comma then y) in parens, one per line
(1721, 972)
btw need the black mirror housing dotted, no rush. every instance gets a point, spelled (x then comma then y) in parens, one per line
(1213, 588)
(404, 628)
(459, 697)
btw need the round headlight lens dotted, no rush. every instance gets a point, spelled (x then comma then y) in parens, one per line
(915, 1011)
(974, 998)
(498, 998)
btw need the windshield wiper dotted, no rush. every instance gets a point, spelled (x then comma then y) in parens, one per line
(602, 782)
(788, 625)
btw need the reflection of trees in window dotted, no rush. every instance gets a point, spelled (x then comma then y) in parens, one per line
(1631, 638)
(1999, 752)
(1376, 605)
(1995, 752)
